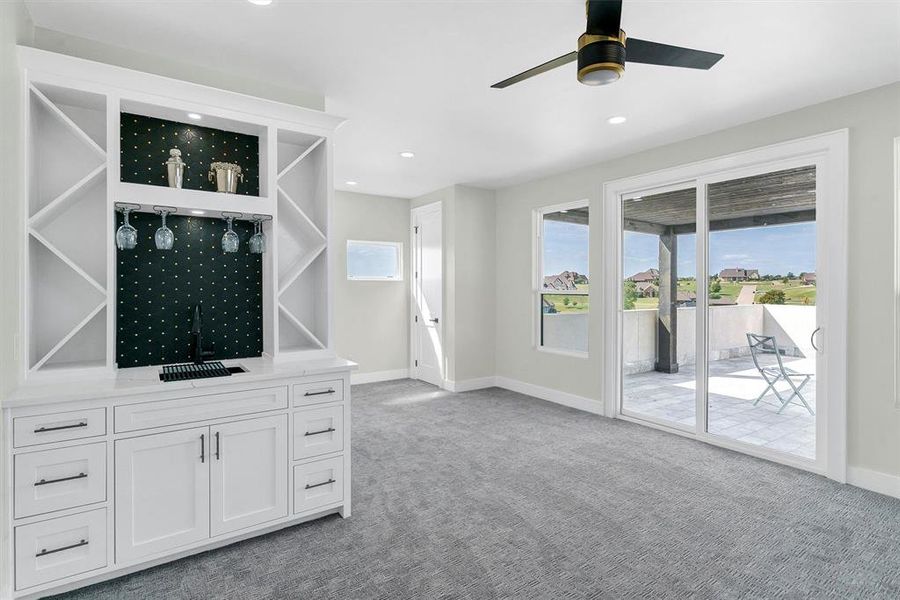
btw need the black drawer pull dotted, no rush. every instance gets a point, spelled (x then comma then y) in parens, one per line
(329, 430)
(49, 481)
(45, 552)
(328, 391)
(315, 485)
(59, 427)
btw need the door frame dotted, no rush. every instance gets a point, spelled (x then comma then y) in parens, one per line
(413, 279)
(829, 153)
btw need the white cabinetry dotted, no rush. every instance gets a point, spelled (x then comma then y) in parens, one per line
(249, 473)
(162, 492)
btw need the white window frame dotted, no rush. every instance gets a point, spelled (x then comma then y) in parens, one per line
(397, 245)
(538, 274)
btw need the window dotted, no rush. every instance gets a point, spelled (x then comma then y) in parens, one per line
(562, 281)
(374, 261)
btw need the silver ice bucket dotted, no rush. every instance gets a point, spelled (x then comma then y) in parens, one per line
(225, 176)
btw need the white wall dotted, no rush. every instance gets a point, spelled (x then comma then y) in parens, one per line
(873, 119)
(371, 318)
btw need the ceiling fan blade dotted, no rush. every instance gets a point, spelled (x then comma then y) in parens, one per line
(654, 53)
(604, 17)
(550, 64)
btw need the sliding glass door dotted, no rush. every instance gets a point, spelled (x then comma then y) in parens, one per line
(719, 308)
(761, 315)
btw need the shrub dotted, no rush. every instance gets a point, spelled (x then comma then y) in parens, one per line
(772, 297)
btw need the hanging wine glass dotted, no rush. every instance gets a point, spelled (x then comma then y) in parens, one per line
(164, 237)
(258, 240)
(126, 234)
(230, 240)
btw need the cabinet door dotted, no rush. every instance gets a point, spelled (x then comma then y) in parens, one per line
(162, 492)
(249, 473)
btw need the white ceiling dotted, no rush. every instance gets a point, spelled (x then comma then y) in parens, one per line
(416, 75)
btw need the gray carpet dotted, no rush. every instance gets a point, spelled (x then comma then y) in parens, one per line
(492, 494)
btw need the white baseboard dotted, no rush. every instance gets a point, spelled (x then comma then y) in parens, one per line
(875, 481)
(551, 395)
(373, 376)
(468, 385)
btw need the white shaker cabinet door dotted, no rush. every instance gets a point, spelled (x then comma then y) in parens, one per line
(249, 473)
(162, 492)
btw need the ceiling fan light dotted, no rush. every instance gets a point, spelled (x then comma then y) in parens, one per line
(599, 74)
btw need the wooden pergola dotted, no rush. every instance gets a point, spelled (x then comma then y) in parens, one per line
(778, 198)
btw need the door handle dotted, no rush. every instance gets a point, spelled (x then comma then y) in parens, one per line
(217, 445)
(45, 552)
(60, 480)
(812, 338)
(202, 448)
(434, 320)
(60, 427)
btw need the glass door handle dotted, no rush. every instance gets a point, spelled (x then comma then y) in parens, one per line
(812, 338)
(434, 320)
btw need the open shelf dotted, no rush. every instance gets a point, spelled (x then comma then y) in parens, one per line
(186, 201)
(299, 242)
(293, 147)
(77, 229)
(87, 111)
(304, 184)
(62, 302)
(63, 156)
(85, 348)
(305, 300)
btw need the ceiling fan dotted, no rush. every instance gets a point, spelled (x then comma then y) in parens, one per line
(603, 50)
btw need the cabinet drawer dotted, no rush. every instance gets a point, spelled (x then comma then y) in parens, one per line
(318, 392)
(59, 427)
(49, 480)
(131, 417)
(58, 548)
(318, 484)
(318, 431)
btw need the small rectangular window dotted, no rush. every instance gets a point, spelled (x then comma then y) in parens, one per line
(562, 290)
(374, 261)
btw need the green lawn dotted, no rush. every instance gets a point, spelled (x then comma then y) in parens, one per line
(794, 290)
(577, 303)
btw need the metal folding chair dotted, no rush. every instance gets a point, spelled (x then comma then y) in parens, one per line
(766, 344)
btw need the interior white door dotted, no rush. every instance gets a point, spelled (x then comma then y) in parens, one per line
(249, 473)
(428, 290)
(162, 492)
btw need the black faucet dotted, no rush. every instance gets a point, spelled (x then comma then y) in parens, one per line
(198, 354)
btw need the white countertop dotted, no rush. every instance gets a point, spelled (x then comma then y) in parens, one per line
(145, 380)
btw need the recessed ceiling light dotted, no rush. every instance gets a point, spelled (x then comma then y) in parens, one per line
(350, 182)
(195, 116)
(260, 2)
(407, 154)
(616, 120)
(198, 212)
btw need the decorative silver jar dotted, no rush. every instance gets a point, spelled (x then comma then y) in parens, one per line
(225, 176)
(175, 168)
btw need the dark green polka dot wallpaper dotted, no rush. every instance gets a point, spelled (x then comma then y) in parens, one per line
(158, 289)
(146, 142)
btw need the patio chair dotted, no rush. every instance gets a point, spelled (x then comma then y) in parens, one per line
(766, 344)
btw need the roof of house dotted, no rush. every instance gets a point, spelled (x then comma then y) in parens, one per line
(648, 275)
(733, 273)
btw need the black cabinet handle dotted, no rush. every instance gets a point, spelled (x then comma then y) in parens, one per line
(217, 445)
(45, 552)
(315, 485)
(328, 391)
(49, 481)
(202, 447)
(59, 427)
(329, 430)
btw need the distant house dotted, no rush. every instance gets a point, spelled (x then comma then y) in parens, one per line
(565, 281)
(808, 278)
(646, 289)
(650, 275)
(739, 274)
(683, 298)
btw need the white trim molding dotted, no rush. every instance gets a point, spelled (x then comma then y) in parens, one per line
(468, 385)
(828, 152)
(375, 376)
(874, 481)
(550, 395)
(897, 272)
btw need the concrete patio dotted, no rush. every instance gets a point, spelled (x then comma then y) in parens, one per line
(734, 384)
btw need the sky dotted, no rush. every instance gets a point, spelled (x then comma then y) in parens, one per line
(565, 247)
(774, 250)
(372, 260)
